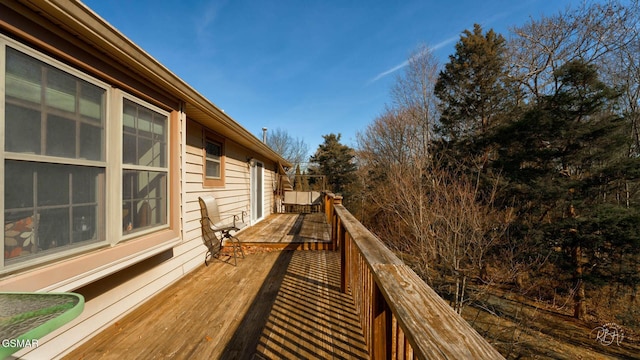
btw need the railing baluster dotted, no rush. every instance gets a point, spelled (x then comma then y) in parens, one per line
(401, 344)
(394, 337)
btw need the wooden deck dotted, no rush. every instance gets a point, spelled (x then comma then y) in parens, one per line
(272, 305)
(289, 231)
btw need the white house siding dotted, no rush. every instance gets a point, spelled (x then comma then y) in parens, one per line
(123, 294)
(234, 197)
(114, 289)
(269, 188)
(127, 286)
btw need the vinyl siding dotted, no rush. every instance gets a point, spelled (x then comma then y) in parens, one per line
(115, 289)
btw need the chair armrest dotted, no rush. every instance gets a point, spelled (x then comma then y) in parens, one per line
(238, 220)
(224, 223)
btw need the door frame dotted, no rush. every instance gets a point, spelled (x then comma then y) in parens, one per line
(257, 191)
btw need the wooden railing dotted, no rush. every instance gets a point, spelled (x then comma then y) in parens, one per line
(402, 317)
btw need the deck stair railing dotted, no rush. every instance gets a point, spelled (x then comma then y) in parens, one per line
(401, 316)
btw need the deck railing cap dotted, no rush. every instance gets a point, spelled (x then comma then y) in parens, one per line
(429, 324)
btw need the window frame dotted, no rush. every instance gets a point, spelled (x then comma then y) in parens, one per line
(121, 96)
(44, 159)
(113, 250)
(209, 136)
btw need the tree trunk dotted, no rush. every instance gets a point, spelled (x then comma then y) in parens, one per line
(462, 291)
(455, 301)
(580, 308)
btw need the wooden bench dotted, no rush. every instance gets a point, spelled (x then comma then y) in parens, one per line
(302, 201)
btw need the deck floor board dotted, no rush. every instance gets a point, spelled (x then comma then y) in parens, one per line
(289, 231)
(272, 305)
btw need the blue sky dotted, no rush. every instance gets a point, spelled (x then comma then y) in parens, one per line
(310, 67)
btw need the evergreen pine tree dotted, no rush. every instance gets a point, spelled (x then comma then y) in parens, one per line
(564, 161)
(471, 86)
(337, 162)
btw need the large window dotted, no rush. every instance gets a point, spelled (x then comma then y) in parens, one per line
(54, 152)
(83, 165)
(145, 168)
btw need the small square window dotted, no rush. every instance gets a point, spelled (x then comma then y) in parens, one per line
(214, 157)
(213, 161)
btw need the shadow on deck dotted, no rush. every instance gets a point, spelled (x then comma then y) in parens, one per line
(299, 313)
(275, 304)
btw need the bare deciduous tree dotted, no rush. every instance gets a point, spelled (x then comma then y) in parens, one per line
(413, 94)
(294, 150)
(588, 33)
(432, 217)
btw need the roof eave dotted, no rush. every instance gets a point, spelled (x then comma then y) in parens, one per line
(79, 19)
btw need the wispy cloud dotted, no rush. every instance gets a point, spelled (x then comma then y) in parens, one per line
(390, 71)
(444, 43)
(205, 18)
(496, 17)
(406, 62)
(435, 47)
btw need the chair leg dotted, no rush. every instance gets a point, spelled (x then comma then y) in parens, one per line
(210, 255)
(239, 245)
(235, 257)
(236, 245)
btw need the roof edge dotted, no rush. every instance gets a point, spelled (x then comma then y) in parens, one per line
(79, 18)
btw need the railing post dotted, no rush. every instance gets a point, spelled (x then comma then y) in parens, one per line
(328, 208)
(339, 239)
(335, 222)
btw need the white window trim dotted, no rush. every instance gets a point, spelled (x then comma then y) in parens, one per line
(253, 186)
